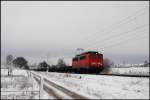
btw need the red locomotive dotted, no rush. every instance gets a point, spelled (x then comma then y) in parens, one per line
(90, 61)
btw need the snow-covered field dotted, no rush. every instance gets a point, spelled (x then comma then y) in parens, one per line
(130, 71)
(91, 86)
(102, 87)
(19, 86)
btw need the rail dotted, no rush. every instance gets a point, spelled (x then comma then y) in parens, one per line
(41, 83)
(125, 75)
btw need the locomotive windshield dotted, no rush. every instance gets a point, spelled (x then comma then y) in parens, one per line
(93, 55)
(75, 59)
(82, 57)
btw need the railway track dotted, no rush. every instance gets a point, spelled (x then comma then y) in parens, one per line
(51, 91)
(123, 75)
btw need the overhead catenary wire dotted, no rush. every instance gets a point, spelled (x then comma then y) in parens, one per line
(103, 40)
(103, 36)
(114, 26)
(120, 43)
(128, 18)
(124, 22)
(123, 42)
(112, 43)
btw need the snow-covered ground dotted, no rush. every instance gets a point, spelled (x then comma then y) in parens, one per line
(102, 87)
(91, 86)
(19, 86)
(130, 71)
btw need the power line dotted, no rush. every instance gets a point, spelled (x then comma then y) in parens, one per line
(128, 21)
(108, 46)
(108, 32)
(119, 23)
(118, 35)
(119, 43)
(108, 42)
(127, 18)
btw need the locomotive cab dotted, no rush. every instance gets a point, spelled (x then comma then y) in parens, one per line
(96, 60)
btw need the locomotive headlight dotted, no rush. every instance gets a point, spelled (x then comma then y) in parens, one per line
(99, 63)
(93, 63)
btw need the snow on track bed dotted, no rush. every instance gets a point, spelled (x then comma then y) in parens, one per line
(66, 91)
(59, 92)
(126, 75)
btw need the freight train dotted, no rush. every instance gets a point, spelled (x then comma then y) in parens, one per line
(86, 62)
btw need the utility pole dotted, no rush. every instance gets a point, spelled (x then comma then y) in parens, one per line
(124, 63)
(47, 63)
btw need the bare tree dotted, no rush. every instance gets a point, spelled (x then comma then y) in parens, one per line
(9, 59)
(61, 63)
(146, 64)
(43, 65)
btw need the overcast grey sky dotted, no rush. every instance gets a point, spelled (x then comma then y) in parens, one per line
(41, 30)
